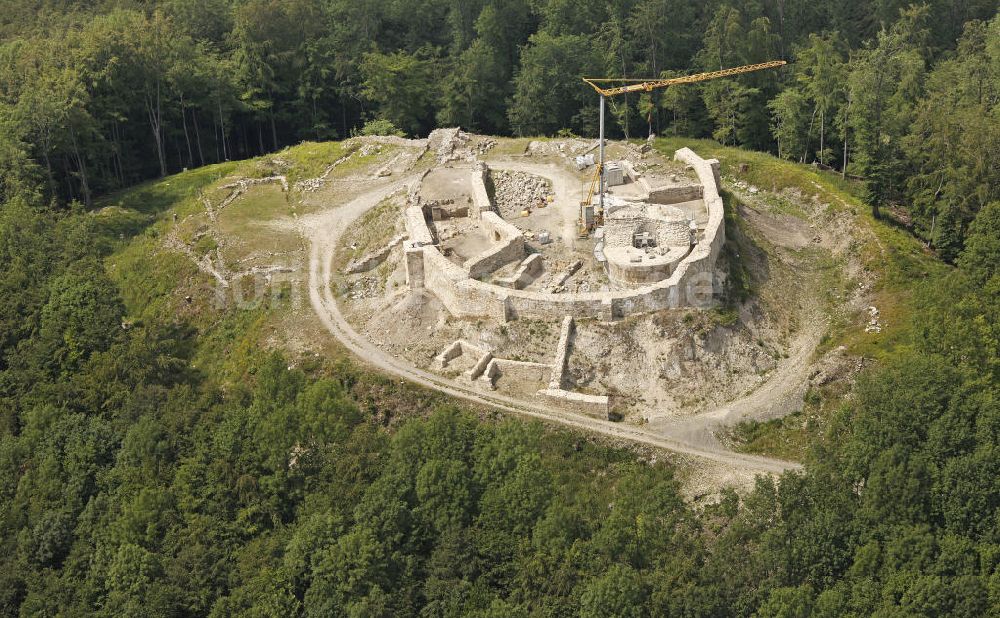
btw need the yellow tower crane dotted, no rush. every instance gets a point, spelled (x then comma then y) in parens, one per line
(646, 85)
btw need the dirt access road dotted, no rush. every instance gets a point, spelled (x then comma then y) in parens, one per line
(323, 231)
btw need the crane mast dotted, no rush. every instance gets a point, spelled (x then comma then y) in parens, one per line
(647, 85)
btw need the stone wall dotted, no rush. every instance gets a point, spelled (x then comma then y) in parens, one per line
(621, 227)
(439, 210)
(521, 372)
(689, 284)
(373, 258)
(462, 296)
(672, 233)
(477, 370)
(561, 363)
(508, 247)
(703, 257)
(528, 304)
(528, 271)
(480, 197)
(459, 347)
(597, 406)
(414, 262)
(416, 227)
(676, 195)
(651, 269)
(668, 231)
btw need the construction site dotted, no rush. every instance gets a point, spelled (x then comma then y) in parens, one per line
(496, 271)
(480, 242)
(600, 284)
(562, 236)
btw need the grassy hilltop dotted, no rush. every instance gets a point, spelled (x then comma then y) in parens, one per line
(165, 453)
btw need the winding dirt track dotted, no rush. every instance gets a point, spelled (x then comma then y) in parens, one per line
(324, 229)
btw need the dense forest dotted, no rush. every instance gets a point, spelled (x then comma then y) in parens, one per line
(153, 466)
(96, 96)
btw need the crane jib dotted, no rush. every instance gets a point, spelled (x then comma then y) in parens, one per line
(646, 85)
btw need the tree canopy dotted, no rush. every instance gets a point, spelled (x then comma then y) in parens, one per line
(99, 96)
(141, 475)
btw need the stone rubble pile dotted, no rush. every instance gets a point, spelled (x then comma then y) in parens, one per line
(242, 184)
(745, 186)
(370, 145)
(239, 187)
(516, 191)
(485, 145)
(873, 326)
(449, 145)
(557, 281)
(308, 185)
(363, 287)
(454, 144)
(567, 148)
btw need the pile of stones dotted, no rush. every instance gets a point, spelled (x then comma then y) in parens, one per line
(566, 148)
(449, 144)
(363, 287)
(309, 185)
(369, 149)
(516, 191)
(874, 325)
(485, 145)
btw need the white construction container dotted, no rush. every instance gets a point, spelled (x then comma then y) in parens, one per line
(614, 175)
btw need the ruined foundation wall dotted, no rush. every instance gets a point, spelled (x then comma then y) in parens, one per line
(561, 363)
(414, 261)
(676, 195)
(672, 233)
(517, 372)
(528, 304)
(462, 296)
(647, 271)
(465, 297)
(480, 197)
(416, 227)
(373, 258)
(509, 247)
(529, 270)
(702, 258)
(619, 230)
(597, 406)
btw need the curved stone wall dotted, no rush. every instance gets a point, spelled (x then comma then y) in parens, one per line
(648, 269)
(508, 247)
(667, 225)
(690, 284)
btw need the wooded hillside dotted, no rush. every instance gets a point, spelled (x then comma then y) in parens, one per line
(161, 463)
(98, 96)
